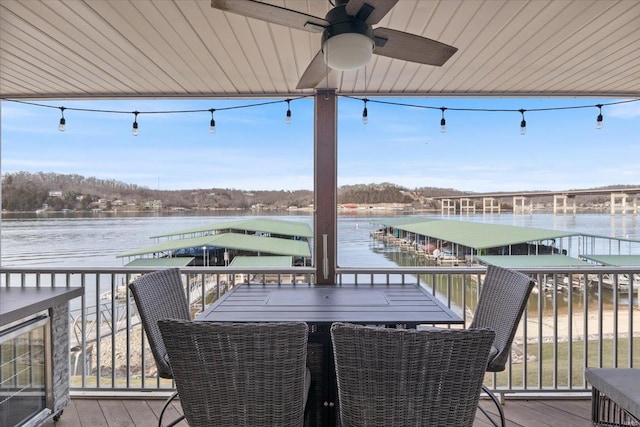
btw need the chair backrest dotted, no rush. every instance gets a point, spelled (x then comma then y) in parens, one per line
(238, 374)
(160, 295)
(502, 301)
(404, 377)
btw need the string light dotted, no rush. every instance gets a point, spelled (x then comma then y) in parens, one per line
(134, 129)
(523, 123)
(288, 116)
(212, 124)
(365, 113)
(63, 122)
(599, 118)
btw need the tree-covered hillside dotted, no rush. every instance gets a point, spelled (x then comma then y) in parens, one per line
(24, 191)
(28, 192)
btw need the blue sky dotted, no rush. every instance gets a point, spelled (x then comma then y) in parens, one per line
(254, 149)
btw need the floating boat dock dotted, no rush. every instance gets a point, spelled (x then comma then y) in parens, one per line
(218, 244)
(454, 242)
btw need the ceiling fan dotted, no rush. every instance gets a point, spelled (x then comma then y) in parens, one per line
(348, 39)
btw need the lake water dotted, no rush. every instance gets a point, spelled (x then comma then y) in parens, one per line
(95, 241)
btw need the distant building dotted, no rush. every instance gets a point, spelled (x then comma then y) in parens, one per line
(153, 204)
(104, 203)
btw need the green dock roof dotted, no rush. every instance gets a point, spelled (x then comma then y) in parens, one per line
(615, 260)
(262, 261)
(264, 225)
(161, 262)
(237, 241)
(474, 234)
(526, 261)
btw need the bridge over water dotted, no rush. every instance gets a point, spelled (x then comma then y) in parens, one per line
(623, 200)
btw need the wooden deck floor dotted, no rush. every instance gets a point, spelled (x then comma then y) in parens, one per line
(144, 413)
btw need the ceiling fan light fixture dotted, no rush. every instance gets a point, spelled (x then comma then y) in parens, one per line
(347, 44)
(347, 51)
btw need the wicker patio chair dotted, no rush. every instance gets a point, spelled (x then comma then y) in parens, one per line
(239, 374)
(160, 295)
(406, 377)
(502, 301)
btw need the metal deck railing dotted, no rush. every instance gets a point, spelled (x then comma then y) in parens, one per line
(576, 317)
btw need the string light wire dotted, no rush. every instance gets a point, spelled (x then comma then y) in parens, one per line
(288, 100)
(497, 110)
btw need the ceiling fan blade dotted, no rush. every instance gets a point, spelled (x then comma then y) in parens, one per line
(316, 72)
(380, 9)
(272, 13)
(410, 47)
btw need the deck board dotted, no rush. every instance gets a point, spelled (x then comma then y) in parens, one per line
(116, 412)
(93, 412)
(89, 413)
(142, 412)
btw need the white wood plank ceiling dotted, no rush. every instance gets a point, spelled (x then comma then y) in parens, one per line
(185, 48)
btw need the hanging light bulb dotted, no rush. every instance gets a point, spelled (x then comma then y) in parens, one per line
(523, 123)
(599, 118)
(288, 116)
(63, 122)
(443, 122)
(365, 113)
(134, 129)
(212, 124)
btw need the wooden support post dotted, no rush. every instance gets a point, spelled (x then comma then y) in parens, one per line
(325, 186)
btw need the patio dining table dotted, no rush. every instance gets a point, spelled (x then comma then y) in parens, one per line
(391, 305)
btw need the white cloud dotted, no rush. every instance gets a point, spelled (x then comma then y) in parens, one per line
(623, 111)
(12, 111)
(16, 165)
